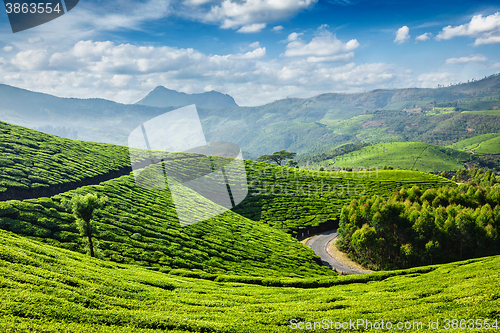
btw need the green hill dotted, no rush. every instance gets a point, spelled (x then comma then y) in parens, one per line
(33, 162)
(404, 155)
(140, 226)
(46, 289)
(236, 272)
(306, 126)
(291, 199)
(485, 112)
(481, 144)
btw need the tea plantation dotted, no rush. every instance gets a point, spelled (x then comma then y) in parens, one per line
(32, 160)
(404, 155)
(241, 271)
(291, 199)
(51, 290)
(140, 226)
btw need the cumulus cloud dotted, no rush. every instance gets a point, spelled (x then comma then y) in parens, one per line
(256, 27)
(485, 29)
(462, 60)
(402, 35)
(8, 48)
(324, 47)
(293, 36)
(125, 72)
(238, 14)
(255, 54)
(277, 28)
(423, 37)
(254, 45)
(487, 40)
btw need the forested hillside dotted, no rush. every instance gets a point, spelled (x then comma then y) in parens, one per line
(307, 126)
(417, 227)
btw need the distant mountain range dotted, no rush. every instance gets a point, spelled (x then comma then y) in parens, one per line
(163, 97)
(306, 126)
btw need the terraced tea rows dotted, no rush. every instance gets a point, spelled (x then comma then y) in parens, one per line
(32, 160)
(404, 155)
(292, 199)
(140, 226)
(50, 290)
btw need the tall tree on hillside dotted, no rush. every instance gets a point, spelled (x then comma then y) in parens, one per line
(277, 157)
(84, 208)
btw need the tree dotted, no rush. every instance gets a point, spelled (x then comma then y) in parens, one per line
(277, 157)
(84, 208)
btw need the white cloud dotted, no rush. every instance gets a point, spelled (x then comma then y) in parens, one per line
(234, 14)
(402, 35)
(256, 27)
(462, 60)
(31, 59)
(324, 47)
(8, 48)
(423, 37)
(340, 57)
(254, 45)
(277, 28)
(487, 40)
(293, 36)
(485, 29)
(126, 73)
(255, 54)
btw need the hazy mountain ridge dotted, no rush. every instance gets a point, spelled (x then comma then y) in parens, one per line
(306, 126)
(163, 97)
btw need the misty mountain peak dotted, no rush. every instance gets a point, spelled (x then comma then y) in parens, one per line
(164, 97)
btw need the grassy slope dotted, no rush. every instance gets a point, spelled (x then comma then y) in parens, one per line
(484, 112)
(491, 146)
(404, 155)
(290, 198)
(50, 290)
(226, 243)
(481, 144)
(31, 159)
(473, 142)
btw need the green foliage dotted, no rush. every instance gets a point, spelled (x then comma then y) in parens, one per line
(30, 159)
(416, 227)
(291, 199)
(277, 157)
(345, 149)
(46, 289)
(404, 155)
(84, 207)
(228, 243)
(485, 112)
(477, 177)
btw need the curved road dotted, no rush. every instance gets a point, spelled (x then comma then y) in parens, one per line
(319, 244)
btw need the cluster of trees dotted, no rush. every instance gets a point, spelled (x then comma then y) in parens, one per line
(415, 227)
(478, 177)
(278, 157)
(345, 149)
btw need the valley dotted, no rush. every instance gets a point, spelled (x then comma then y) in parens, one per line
(401, 187)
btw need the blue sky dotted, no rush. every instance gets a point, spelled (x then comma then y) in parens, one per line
(257, 51)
